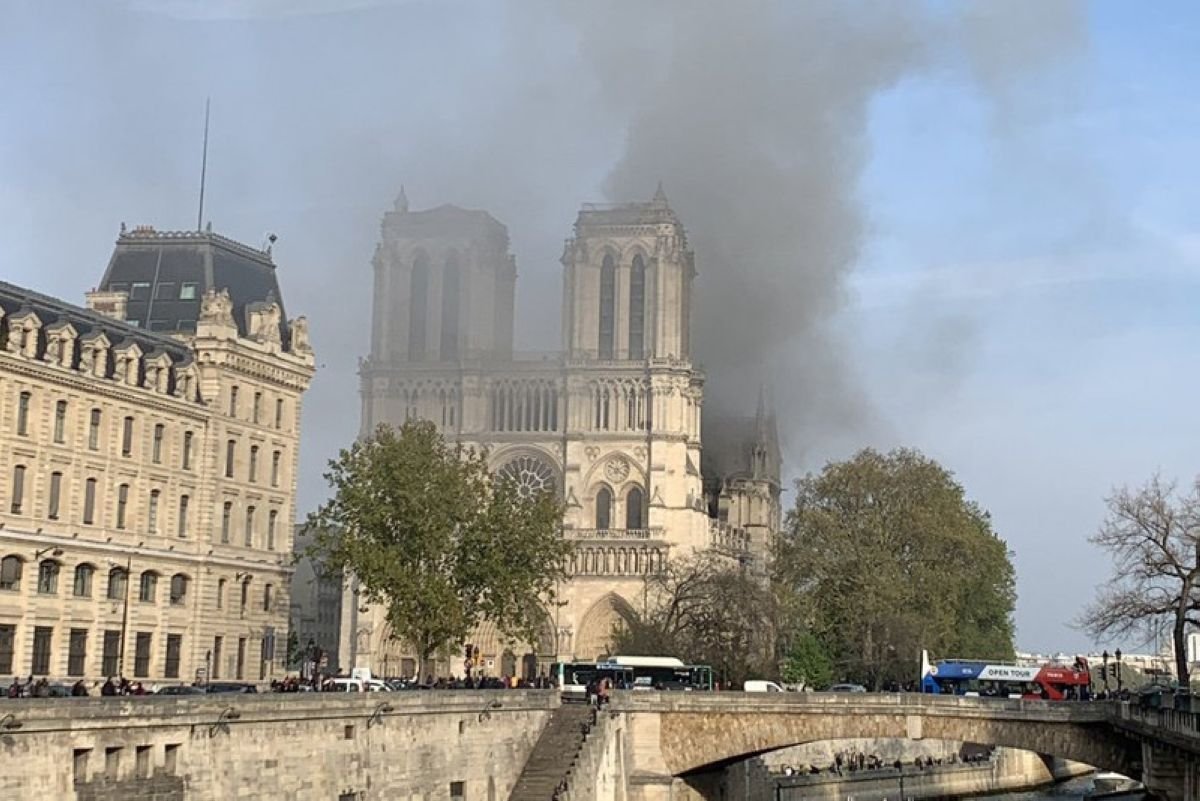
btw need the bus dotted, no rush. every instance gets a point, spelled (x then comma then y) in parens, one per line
(999, 680)
(633, 673)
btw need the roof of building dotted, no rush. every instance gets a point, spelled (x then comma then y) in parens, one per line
(166, 273)
(15, 299)
(657, 211)
(442, 221)
(730, 444)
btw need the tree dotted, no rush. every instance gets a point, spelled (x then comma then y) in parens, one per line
(705, 609)
(434, 538)
(1154, 538)
(294, 652)
(884, 556)
(807, 663)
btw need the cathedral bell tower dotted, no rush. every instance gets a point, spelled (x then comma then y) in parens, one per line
(627, 286)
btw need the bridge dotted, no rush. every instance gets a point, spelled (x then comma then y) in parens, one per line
(674, 746)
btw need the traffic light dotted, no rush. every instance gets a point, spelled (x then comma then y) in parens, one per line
(1104, 673)
(468, 651)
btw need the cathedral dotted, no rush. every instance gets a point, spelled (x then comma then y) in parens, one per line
(612, 423)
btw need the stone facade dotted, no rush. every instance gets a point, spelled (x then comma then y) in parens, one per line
(149, 477)
(316, 616)
(612, 423)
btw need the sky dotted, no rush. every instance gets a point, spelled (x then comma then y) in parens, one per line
(968, 228)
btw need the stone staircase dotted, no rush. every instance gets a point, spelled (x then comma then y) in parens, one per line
(553, 754)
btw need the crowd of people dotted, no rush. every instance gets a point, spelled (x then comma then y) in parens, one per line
(855, 761)
(42, 688)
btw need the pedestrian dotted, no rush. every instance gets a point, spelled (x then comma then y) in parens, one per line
(14, 689)
(79, 689)
(109, 687)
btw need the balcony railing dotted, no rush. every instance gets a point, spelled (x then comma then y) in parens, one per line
(613, 533)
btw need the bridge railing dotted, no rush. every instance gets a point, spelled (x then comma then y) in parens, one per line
(1176, 721)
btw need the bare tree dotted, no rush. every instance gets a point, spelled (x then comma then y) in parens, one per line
(1153, 535)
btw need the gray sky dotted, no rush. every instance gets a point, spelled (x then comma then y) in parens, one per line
(967, 228)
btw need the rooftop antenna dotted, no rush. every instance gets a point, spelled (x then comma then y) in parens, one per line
(203, 168)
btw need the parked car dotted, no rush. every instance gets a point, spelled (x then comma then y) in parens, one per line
(229, 687)
(847, 688)
(180, 689)
(758, 686)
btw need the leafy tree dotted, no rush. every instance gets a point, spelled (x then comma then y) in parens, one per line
(294, 652)
(436, 540)
(1154, 538)
(806, 662)
(884, 556)
(705, 609)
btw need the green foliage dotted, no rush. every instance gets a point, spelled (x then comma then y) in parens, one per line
(807, 663)
(883, 556)
(294, 652)
(706, 609)
(432, 537)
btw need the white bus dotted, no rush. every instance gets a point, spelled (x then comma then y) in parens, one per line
(633, 673)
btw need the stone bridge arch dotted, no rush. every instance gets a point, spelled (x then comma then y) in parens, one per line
(688, 735)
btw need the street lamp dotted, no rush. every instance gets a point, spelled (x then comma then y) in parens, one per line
(1118, 656)
(1104, 670)
(53, 551)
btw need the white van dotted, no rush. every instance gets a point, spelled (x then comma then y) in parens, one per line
(759, 686)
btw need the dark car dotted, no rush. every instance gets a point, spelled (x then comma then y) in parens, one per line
(229, 687)
(180, 689)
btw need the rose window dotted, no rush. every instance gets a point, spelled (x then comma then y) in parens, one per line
(529, 474)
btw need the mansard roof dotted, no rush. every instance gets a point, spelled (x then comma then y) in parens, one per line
(166, 273)
(88, 324)
(442, 221)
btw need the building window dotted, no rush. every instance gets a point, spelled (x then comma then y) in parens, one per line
(139, 290)
(253, 463)
(608, 295)
(8, 642)
(41, 650)
(220, 593)
(187, 450)
(250, 526)
(179, 588)
(418, 305)
(60, 421)
(127, 437)
(149, 587)
(156, 452)
(48, 577)
(216, 656)
(256, 409)
(272, 519)
(18, 489)
(141, 654)
(187, 291)
(634, 516)
(637, 308)
(118, 581)
(83, 581)
(183, 516)
(122, 504)
(233, 400)
(152, 512)
(279, 412)
(276, 459)
(55, 495)
(10, 573)
(174, 648)
(230, 451)
(77, 652)
(94, 430)
(450, 304)
(89, 501)
(245, 595)
(458, 791)
(111, 653)
(603, 508)
(23, 414)
(241, 659)
(226, 517)
(267, 592)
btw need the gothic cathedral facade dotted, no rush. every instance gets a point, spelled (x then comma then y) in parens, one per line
(612, 423)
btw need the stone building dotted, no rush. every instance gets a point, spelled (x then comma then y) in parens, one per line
(612, 423)
(316, 606)
(148, 451)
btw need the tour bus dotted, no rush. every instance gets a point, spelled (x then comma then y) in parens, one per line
(995, 679)
(632, 673)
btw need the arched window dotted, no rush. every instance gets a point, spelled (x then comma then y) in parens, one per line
(10, 573)
(148, 589)
(608, 297)
(634, 512)
(118, 580)
(179, 588)
(603, 508)
(450, 304)
(48, 577)
(637, 308)
(418, 307)
(83, 580)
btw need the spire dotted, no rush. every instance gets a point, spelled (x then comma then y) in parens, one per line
(401, 204)
(660, 197)
(760, 416)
